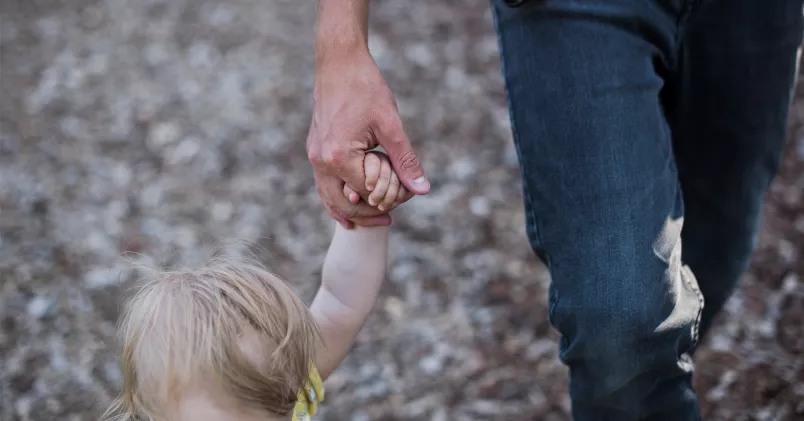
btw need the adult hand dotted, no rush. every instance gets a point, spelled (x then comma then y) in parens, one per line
(355, 112)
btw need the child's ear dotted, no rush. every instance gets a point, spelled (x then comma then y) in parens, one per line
(351, 194)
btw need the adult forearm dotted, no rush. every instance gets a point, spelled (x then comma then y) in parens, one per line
(341, 28)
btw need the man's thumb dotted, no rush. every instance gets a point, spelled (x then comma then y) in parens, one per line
(406, 164)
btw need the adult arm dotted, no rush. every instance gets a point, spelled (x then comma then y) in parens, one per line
(354, 111)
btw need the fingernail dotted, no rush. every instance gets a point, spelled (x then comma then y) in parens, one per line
(370, 187)
(421, 182)
(371, 201)
(381, 207)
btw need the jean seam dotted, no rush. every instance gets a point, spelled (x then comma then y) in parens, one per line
(689, 8)
(515, 133)
(529, 212)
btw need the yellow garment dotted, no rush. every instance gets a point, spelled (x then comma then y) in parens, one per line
(309, 398)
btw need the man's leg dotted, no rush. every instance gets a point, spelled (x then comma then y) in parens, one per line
(603, 200)
(728, 116)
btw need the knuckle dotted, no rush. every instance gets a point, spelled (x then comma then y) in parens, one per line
(408, 160)
(315, 156)
(333, 157)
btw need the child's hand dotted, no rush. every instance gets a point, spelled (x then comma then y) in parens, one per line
(381, 180)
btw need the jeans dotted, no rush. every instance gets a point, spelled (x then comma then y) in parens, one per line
(643, 126)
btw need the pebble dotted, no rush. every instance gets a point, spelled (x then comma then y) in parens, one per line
(97, 278)
(431, 364)
(462, 169)
(359, 415)
(164, 133)
(420, 54)
(39, 306)
(395, 308)
(480, 206)
(539, 349)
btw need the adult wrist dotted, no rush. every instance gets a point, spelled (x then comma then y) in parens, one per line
(331, 52)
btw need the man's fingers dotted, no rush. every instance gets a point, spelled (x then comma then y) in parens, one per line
(403, 157)
(340, 219)
(390, 195)
(371, 166)
(331, 190)
(402, 196)
(345, 161)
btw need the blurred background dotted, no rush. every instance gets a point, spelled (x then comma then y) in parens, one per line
(165, 127)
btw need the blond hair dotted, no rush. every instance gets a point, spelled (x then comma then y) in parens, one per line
(190, 325)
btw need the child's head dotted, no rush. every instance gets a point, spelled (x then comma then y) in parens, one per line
(230, 334)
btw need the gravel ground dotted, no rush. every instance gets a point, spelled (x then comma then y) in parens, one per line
(164, 127)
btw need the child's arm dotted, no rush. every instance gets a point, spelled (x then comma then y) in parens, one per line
(353, 272)
(352, 275)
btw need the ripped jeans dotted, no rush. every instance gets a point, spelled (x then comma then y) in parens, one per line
(648, 132)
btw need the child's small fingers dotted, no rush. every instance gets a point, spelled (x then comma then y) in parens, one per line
(350, 194)
(371, 166)
(382, 184)
(390, 194)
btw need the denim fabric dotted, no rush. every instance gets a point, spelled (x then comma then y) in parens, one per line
(643, 126)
